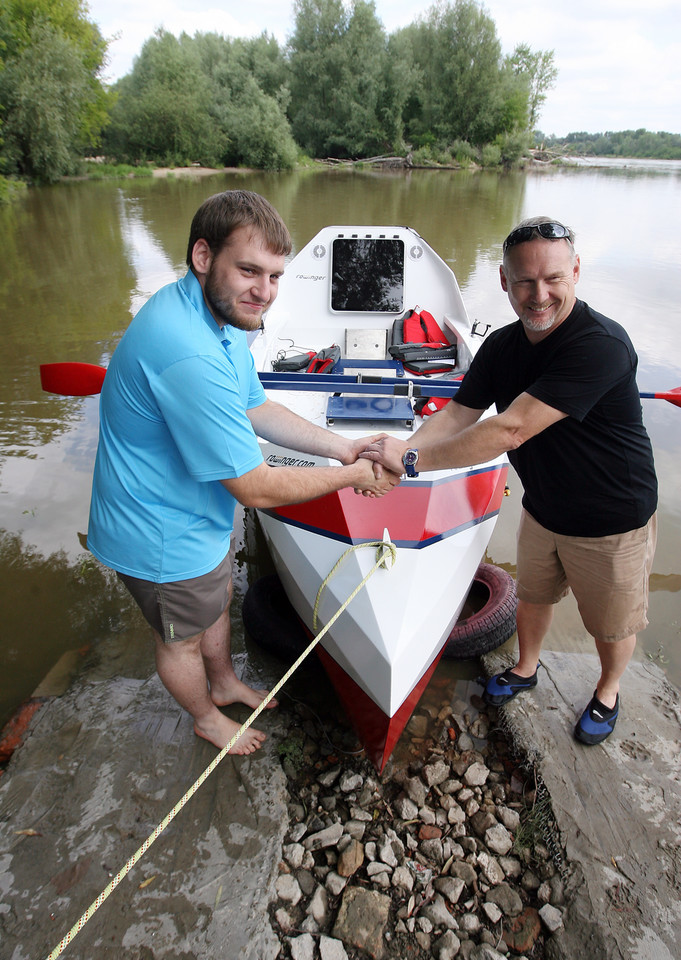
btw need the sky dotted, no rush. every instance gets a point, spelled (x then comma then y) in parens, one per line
(619, 61)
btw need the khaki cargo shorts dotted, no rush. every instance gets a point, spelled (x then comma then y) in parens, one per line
(183, 608)
(608, 575)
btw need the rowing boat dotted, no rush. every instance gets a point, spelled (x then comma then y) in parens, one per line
(346, 289)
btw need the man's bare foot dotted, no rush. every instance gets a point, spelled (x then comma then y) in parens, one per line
(234, 691)
(220, 731)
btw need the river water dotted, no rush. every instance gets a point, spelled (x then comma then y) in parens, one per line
(79, 259)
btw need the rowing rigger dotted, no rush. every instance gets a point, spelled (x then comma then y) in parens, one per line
(75, 379)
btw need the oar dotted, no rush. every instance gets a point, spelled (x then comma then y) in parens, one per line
(73, 379)
(85, 379)
(672, 396)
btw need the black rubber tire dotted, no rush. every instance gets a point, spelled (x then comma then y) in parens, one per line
(493, 622)
(271, 621)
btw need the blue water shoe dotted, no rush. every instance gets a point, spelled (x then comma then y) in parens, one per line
(597, 722)
(505, 686)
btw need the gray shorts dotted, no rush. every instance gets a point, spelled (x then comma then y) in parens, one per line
(608, 575)
(184, 608)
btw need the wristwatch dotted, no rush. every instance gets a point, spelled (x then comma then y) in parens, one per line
(409, 461)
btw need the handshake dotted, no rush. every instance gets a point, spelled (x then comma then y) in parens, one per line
(381, 456)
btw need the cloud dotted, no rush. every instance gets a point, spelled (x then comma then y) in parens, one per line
(619, 61)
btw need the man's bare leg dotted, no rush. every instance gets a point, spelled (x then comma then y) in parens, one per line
(533, 622)
(216, 650)
(182, 671)
(614, 658)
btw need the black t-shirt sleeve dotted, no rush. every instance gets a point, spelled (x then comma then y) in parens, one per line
(580, 374)
(477, 387)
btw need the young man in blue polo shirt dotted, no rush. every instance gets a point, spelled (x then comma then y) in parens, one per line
(181, 409)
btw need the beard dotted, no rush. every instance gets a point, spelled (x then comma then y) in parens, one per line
(538, 326)
(225, 309)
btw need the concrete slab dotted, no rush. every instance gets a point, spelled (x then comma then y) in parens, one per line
(617, 806)
(99, 769)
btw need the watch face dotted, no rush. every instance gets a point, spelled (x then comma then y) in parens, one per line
(410, 457)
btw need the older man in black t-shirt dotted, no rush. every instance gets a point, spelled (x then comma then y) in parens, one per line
(563, 379)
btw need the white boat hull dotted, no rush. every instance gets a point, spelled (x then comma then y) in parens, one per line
(382, 649)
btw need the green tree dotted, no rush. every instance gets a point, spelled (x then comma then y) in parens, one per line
(162, 112)
(316, 59)
(264, 60)
(364, 81)
(53, 105)
(42, 90)
(624, 143)
(259, 133)
(539, 72)
(338, 60)
(465, 92)
(400, 78)
(206, 99)
(249, 96)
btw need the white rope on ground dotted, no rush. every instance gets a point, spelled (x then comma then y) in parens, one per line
(383, 546)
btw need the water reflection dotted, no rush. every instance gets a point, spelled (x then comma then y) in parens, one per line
(52, 604)
(152, 266)
(79, 259)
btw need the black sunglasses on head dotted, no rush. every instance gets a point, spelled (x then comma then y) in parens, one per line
(549, 231)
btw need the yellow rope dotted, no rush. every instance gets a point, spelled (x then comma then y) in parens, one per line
(380, 561)
(96, 904)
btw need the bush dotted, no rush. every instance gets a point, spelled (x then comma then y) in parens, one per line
(490, 155)
(435, 154)
(422, 156)
(463, 152)
(444, 157)
(114, 171)
(513, 146)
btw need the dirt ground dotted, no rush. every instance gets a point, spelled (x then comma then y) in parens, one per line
(197, 171)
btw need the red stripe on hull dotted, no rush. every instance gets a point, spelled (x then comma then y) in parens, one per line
(413, 512)
(377, 732)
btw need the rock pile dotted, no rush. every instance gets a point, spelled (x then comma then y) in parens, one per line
(436, 858)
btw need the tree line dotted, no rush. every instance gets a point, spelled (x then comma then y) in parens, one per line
(625, 143)
(340, 87)
(439, 90)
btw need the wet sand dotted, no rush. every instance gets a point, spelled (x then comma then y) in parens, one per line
(197, 171)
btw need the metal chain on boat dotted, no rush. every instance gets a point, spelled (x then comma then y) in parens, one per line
(386, 551)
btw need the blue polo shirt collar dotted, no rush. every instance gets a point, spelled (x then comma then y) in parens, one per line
(192, 290)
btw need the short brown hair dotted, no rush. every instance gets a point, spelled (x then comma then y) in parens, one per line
(223, 213)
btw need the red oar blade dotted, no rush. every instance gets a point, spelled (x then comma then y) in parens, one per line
(72, 379)
(673, 396)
